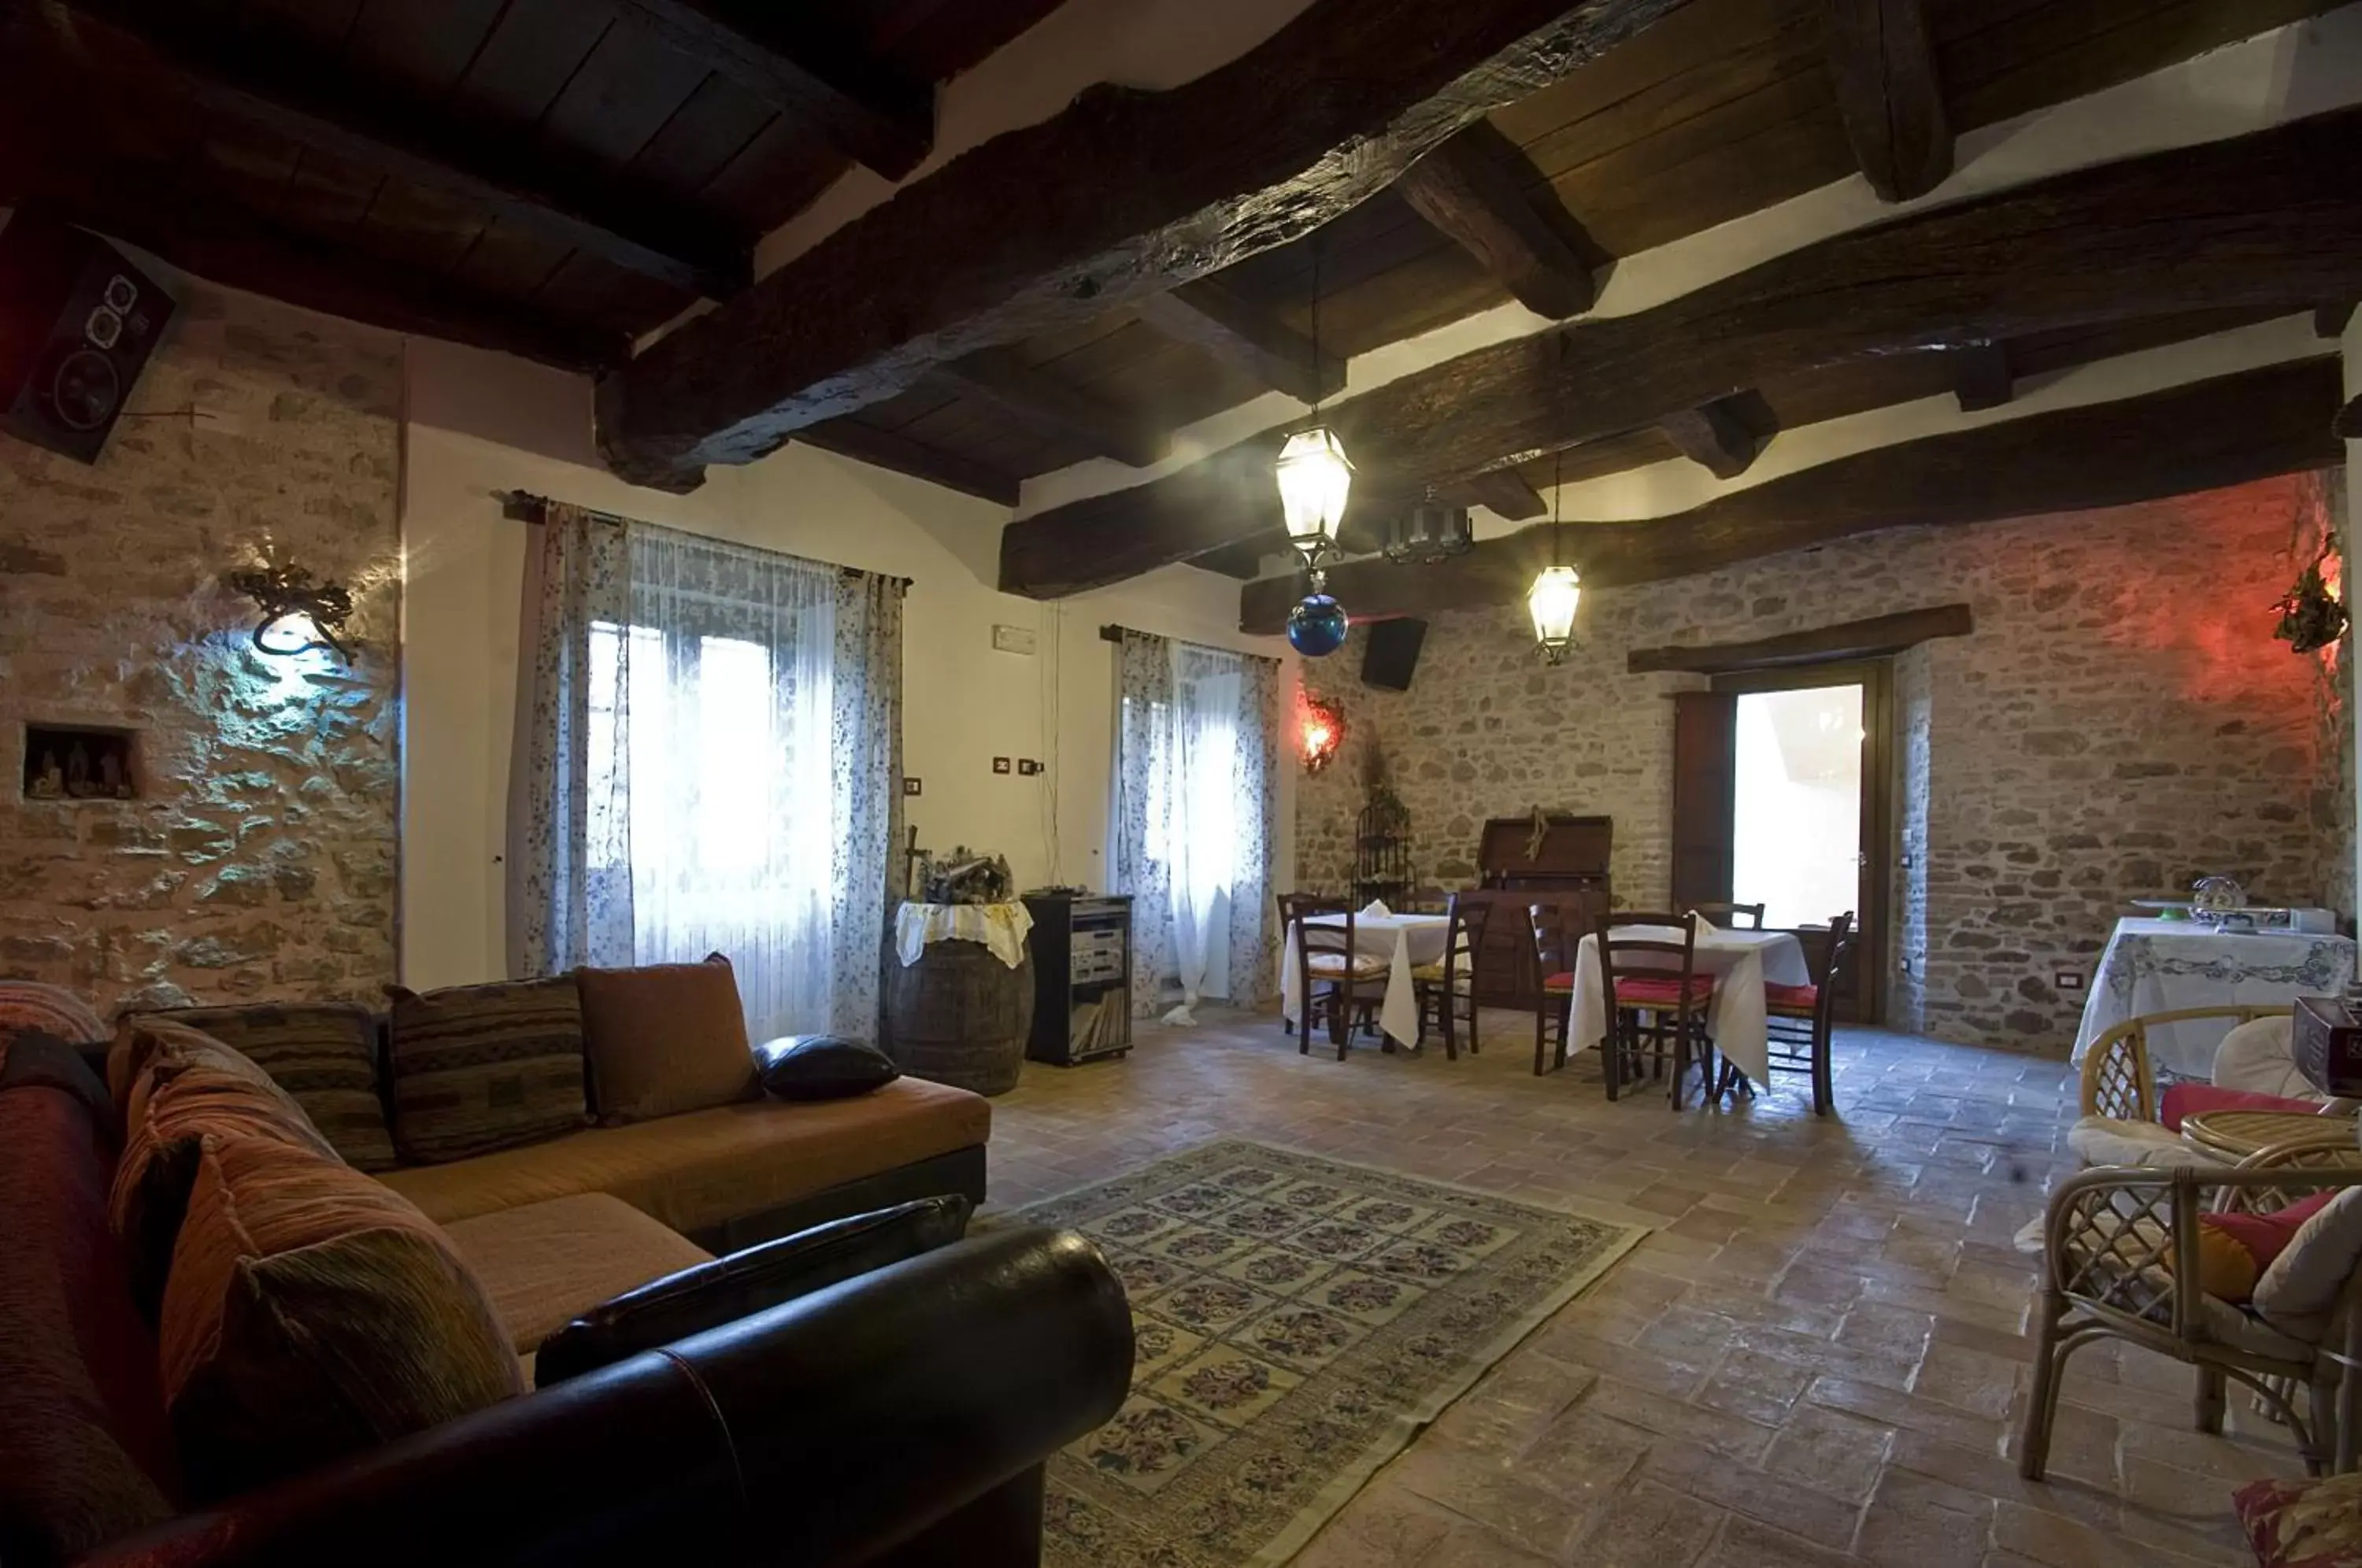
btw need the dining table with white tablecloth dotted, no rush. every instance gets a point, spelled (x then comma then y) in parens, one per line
(1404, 941)
(1741, 962)
(2164, 965)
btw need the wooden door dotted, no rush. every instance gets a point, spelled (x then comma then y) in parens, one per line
(1705, 731)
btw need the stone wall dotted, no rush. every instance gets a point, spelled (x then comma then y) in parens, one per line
(258, 859)
(2120, 722)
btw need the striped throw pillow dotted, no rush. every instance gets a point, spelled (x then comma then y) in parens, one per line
(476, 1068)
(314, 1312)
(323, 1054)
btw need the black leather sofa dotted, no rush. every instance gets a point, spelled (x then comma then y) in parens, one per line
(901, 1419)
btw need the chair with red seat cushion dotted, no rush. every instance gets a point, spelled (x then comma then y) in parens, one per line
(1657, 1000)
(1801, 1020)
(1559, 926)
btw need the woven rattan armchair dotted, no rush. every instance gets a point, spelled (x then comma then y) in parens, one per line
(2117, 1243)
(2117, 1078)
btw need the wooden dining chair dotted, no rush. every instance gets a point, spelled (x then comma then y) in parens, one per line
(1800, 1019)
(1733, 917)
(1446, 989)
(1558, 926)
(1656, 1001)
(1336, 983)
(1294, 907)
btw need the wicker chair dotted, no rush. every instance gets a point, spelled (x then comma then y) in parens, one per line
(2118, 1081)
(2118, 1243)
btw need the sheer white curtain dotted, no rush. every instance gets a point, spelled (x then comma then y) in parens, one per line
(706, 738)
(1193, 823)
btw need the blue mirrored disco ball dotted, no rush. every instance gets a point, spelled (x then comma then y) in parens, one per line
(1317, 625)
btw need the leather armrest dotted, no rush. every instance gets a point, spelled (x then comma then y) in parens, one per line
(749, 1280)
(822, 1431)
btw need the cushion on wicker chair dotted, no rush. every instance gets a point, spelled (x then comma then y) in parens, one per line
(1661, 993)
(2233, 1249)
(1336, 964)
(2112, 1141)
(1792, 999)
(2299, 1292)
(2257, 1056)
(2303, 1524)
(2183, 1100)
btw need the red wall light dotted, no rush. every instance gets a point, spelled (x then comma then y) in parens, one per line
(1321, 730)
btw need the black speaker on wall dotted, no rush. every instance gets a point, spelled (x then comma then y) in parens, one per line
(1391, 653)
(78, 320)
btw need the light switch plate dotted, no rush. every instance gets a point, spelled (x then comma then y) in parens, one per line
(909, 785)
(1000, 765)
(1027, 766)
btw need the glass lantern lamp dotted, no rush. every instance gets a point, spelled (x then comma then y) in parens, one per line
(1551, 601)
(1314, 480)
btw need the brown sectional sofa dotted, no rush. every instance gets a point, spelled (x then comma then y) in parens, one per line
(905, 1414)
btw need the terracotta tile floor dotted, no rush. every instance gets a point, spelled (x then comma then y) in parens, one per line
(1818, 1357)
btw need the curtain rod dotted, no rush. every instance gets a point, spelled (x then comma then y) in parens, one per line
(524, 506)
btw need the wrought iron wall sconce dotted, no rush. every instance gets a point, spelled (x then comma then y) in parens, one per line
(297, 614)
(1321, 730)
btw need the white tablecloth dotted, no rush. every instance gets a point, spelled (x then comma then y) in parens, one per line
(1405, 941)
(2161, 965)
(1000, 927)
(1742, 963)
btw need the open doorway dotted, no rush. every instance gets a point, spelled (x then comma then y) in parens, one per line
(1781, 797)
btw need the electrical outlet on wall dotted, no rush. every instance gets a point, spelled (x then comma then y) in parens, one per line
(2067, 980)
(1000, 765)
(1027, 766)
(909, 785)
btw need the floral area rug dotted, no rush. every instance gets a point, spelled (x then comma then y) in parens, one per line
(1299, 1321)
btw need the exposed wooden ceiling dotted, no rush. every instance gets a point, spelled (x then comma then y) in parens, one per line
(562, 177)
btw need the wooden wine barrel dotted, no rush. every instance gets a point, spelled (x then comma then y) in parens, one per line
(959, 1016)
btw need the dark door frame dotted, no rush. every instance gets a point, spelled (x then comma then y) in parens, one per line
(1876, 678)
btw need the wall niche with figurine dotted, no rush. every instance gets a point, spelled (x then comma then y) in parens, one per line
(80, 762)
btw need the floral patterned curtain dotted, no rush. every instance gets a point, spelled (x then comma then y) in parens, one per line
(1196, 811)
(868, 789)
(578, 575)
(708, 759)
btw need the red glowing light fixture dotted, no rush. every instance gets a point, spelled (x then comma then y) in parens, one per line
(1321, 730)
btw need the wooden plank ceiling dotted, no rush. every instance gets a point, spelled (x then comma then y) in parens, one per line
(560, 177)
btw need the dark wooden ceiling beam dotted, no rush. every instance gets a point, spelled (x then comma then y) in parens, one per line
(1712, 437)
(2205, 435)
(1468, 190)
(1870, 638)
(1983, 377)
(1244, 335)
(2271, 221)
(260, 80)
(776, 53)
(1241, 562)
(1505, 493)
(1123, 194)
(900, 454)
(1882, 65)
(1044, 404)
(2329, 320)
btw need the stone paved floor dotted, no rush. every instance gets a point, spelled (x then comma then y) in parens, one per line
(1818, 1357)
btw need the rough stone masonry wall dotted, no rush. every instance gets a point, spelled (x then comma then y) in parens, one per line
(259, 859)
(2120, 722)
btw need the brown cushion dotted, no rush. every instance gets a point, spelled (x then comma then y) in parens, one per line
(322, 1053)
(85, 1455)
(181, 1086)
(665, 1038)
(475, 1068)
(51, 1009)
(547, 1264)
(313, 1314)
(703, 1169)
(1336, 964)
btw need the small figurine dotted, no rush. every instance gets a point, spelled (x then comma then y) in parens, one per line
(110, 781)
(50, 783)
(78, 771)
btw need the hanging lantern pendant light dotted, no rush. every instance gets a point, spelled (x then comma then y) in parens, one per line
(1556, 590)
(1315, 475)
